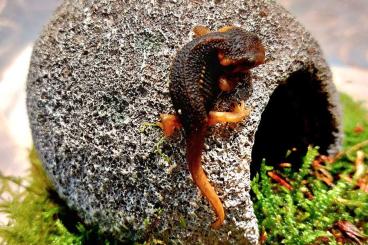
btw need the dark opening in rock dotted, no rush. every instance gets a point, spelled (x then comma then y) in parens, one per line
(297, 115)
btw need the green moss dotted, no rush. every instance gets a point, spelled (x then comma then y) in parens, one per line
(38, 216)
(182, 222)
(158, 149)
(31, 211)
(311, 210)
(355, 116)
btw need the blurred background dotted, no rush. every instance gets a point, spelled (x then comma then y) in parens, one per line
(340, 27)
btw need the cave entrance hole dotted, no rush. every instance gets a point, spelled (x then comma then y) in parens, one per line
(298, 115)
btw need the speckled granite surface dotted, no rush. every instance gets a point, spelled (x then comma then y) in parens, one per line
(100, 70)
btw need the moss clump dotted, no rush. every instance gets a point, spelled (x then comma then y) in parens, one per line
(326, 201)
(355, 122)
(323, 203)
(37, 215)
(31, 210)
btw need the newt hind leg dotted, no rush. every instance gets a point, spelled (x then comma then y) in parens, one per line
(239, 113)
(169, 123)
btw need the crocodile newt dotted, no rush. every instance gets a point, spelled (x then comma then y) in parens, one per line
(212, 63)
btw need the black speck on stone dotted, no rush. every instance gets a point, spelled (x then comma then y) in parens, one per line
(100, 70)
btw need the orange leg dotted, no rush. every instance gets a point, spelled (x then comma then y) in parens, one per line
(200, 31)
(226, 28)
(169, 123)
(203, 30)
(239, 113)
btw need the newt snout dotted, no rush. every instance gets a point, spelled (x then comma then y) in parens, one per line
(212, 63)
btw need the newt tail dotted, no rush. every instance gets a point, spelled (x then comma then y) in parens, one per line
(195, 144)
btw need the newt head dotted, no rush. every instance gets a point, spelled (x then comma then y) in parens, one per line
(244, 51)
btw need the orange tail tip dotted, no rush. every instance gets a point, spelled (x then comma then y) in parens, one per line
(195, 145)
(220, 220)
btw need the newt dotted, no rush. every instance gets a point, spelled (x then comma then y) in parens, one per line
(212, 63)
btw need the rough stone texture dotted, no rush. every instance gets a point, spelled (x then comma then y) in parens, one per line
(100, 70)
